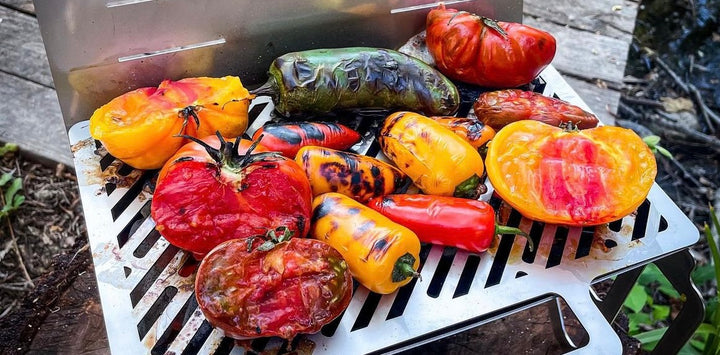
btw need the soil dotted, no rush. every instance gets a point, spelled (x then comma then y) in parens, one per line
(43, 245)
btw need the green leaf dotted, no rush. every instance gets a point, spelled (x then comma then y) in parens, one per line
(702, 274)
(690, 349)
(650, 338)
(7, 148)
(637, 299)
(660, 312)
(651, 140)
(664, 152)
(15, 186)
(635, 320)
(706, 328)
(5, 178)
(651, 274)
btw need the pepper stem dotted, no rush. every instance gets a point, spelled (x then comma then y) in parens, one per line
(404, 268)
(469, 188)
(499, 229)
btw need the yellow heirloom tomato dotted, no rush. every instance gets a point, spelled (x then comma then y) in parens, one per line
(570, 177)
(141, 127)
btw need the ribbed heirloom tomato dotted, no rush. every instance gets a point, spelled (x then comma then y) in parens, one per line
(569, 176)
(211, 191)
(141, 127)
(484, 52)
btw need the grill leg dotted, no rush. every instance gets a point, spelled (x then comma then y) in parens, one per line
(677, 267)
(612, 303)
(558, 325)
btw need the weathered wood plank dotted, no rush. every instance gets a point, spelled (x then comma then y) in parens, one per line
(22, 52)
(602, 101)
(31, 118)
(586, 55)
(25, 5)
(612, 18)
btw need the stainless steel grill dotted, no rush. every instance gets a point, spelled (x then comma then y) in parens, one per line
(146, 285)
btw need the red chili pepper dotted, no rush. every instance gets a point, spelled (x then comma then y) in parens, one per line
(444, 220)
(288, 138)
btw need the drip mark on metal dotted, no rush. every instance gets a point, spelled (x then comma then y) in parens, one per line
(171, 50)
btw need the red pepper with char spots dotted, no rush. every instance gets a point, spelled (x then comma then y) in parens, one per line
(288, 138)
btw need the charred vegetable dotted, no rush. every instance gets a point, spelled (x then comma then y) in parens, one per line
(358, 176)
(288, 138)
(569, 176)
(473, 131)
(325, 80)
(450, 221)
(141, 127)
(499, 108)
(437, 160)
(212, 191)
(484, 52)
(382, 255)
(280, 287)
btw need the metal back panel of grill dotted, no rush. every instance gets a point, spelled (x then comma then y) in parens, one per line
(98, 50)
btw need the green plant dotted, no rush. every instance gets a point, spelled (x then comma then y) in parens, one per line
(11, 199)
(648, 319)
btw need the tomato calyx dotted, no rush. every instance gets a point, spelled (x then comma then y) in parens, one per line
(270, 238)
(228, 156)
(403, 268)
(187, 112)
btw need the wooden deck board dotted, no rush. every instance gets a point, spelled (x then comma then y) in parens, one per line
(22, 52)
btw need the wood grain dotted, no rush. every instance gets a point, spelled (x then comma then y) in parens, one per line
(22, 52)
(612, 18)
(31, 118)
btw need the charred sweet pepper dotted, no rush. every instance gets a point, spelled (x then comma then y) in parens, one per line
(499, 108)
(358, 176)
(443, 220)
(437, 160)
(288, 137)
(472, 130)
(381, 254)
(141, 127)
(324, 80)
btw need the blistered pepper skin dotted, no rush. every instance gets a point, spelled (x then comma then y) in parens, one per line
(357, 176)
(288, 137)
(500, 108)
(437, 160)
(381, 254)
(325, 80)
(472, 130)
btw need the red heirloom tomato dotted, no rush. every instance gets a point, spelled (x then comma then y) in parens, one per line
(571, 177)
(282, 289)
(210, 192)
(480, 51)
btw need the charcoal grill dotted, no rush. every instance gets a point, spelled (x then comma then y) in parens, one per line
(100, 50)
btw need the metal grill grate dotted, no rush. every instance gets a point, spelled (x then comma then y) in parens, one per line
(146, 285)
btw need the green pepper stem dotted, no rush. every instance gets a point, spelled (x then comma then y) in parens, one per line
(469, 188)
(269, 88)
(404, 268)
(499, 229)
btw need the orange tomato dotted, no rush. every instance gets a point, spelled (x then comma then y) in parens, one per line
(140, 127)
(574, 178)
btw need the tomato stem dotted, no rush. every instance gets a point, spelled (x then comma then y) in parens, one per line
(186, 113)
(228, 154)
(404, 268)
(500, 229)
